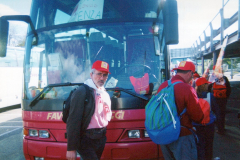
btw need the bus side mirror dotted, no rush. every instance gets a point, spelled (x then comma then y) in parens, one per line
(4, 24)
(170, 20)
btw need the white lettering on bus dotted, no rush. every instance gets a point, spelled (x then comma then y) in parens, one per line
(118, 115)
(87, 10)
(52, 115)
(58, 116)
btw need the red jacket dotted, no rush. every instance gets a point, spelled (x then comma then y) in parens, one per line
(219, 91)
(185, 97)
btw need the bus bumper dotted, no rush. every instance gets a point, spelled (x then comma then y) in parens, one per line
(132, 150)
(57, 150)
(46, 150)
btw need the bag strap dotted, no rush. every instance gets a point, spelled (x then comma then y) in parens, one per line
(193, 132)
(184, 111)
(170, 82)
(173, 119)
(208, 99)
(87, 92)
(163, 98)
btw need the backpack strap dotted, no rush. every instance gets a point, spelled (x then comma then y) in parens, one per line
(87, 92)
(208, 99)
(184, 111)
(170, 82)
(193, 132)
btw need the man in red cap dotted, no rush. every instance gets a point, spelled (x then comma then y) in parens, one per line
(205, 130)
(86, 124)
(185, 97)
(195, 77)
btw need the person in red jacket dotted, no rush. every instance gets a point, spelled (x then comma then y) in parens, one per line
(195, 77)
(205, 130)
(221, 90)
(185, 97)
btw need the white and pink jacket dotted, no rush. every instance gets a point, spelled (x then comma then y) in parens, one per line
(103, 113)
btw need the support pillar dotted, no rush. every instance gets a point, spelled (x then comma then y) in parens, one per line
(238, 19)
(202, 65)
(215, 57)
(231, 68)
(222, 26)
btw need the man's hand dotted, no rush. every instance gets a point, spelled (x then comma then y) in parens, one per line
(71, 155)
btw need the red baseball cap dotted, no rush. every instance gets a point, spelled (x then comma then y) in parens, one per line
(201, 81)
(196, 75)
(101, 66)
(185, 65)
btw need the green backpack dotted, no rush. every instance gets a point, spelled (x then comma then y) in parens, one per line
(162, 120)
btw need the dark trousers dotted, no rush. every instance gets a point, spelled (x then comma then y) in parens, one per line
(222, 102)
(91, 149)
(205, 145)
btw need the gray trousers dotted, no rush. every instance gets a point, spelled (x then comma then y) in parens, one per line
(183, 149)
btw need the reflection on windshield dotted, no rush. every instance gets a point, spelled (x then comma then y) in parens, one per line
(87, 10)
(47, 13)
(68, 57)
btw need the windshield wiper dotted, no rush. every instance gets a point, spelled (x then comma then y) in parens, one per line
(49, 87)
(129, 92)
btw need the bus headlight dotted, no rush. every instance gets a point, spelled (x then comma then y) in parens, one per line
(33, 133)
(134, 133)
(145, 134)
(38, 158)
(36, 133)
(43, 134)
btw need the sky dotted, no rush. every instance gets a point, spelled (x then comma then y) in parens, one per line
(194, 16)
(16, 7)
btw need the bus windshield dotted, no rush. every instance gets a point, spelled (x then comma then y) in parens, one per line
(68, 45)
(47, 13)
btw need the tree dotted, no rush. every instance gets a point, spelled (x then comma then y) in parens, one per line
(14, 38)
(22, 42)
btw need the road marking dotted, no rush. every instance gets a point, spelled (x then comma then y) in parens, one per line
(1, 122)
(10, 131)
(12, 121)
(10, 126)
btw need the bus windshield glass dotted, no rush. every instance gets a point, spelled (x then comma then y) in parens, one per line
(47, 13)
(68, 46)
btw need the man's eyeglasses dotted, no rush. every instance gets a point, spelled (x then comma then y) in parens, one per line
(192, 73)
(102, 75)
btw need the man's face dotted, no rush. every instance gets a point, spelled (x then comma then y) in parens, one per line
(189, 76)
(220, 80)
(99, 77)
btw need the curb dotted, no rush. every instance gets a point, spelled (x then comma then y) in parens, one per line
(4, 109)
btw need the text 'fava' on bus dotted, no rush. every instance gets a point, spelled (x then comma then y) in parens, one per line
(64, 38)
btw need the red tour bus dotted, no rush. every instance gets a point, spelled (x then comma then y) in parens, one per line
(64, 38)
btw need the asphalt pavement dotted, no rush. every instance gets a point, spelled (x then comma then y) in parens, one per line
(226, 147)
(11, 137)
